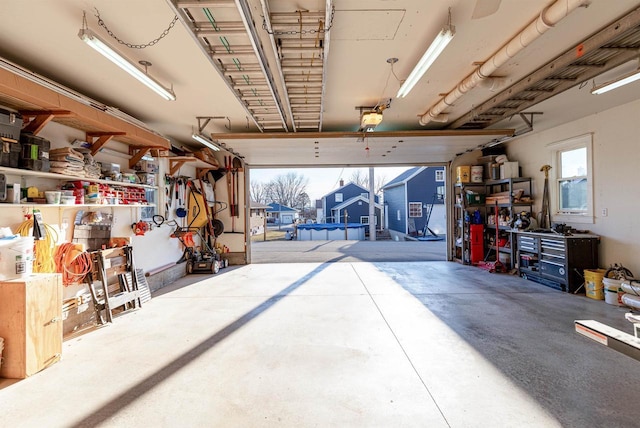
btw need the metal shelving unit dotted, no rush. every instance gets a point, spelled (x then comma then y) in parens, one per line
(461, 247)
(510, 185)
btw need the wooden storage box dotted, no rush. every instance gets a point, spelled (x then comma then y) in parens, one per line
(31, 324)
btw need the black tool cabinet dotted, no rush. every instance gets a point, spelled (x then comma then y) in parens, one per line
(556, 260)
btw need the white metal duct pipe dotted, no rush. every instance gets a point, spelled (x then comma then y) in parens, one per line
(549, 16)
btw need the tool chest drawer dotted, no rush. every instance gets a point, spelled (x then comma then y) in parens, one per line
(528, 243)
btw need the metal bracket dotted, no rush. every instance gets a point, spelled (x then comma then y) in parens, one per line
(203, 121)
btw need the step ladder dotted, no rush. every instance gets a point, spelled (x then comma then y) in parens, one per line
(117, 285)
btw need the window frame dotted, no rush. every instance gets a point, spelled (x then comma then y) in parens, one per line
(555, 178)
(409, 209)
(439, 175)
(339, 197)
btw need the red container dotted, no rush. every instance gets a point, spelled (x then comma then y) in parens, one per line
(476, 234)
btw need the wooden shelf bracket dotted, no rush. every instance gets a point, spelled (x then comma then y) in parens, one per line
(37, 119)
(99, 139)
(177, 162)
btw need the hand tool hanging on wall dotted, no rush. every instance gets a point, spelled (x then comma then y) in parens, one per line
(545, 219)
(227, 167)
(210, 229)
(237, 166)
(182, 191)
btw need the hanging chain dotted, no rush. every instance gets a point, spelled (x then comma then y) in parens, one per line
(131, 45)
(292, 32)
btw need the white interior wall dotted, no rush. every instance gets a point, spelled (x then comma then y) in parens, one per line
(616, 156)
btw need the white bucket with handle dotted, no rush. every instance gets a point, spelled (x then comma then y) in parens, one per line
(16, 258)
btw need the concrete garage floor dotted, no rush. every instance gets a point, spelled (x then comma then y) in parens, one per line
(352, 344)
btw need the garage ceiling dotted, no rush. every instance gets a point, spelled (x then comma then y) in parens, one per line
(333, 57)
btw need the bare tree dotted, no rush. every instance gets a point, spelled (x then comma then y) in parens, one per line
(361, 178)
(259, 192)
(286, 189)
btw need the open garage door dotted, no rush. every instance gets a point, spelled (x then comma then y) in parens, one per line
(327, 214)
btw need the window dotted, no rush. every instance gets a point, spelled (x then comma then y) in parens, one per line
(365, 219)
(338, 197)
(415, 209)
(398, 215)
(440, 175)
(571, 175)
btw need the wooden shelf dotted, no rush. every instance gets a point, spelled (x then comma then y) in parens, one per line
(176, 162)
(54, 176)
(40, 104)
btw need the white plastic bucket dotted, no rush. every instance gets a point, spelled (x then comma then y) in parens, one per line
(476, 173)
(16, 258)
(612, 291)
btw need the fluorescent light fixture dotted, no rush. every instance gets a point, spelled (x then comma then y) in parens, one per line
(616, 83)
(207, 142)
(90, 38)
(437, 46)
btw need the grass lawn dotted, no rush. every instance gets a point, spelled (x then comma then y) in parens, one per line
(272, 235)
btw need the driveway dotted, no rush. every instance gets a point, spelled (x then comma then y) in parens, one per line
(347, 251)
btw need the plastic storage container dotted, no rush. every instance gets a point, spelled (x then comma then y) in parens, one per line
(10, 124)
(34, 152)
(9, 154)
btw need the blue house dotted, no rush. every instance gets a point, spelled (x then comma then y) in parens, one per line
(352, 198)
(413, 196)
(280, 214)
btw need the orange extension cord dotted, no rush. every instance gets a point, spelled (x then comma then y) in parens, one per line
(72, 263)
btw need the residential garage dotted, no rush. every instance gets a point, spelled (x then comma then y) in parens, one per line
(128, 295)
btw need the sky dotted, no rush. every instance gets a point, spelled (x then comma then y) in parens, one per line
(324, 180)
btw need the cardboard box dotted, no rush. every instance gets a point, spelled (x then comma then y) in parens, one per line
(463, 174)
(509, 170)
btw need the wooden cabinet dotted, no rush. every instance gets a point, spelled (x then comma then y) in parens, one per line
(31, 324)
(556, 260)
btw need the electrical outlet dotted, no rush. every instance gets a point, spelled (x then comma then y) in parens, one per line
(605, 212)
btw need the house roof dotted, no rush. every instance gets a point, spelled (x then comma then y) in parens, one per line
(258, 206)
(404, 177)
(351, 201)
(342, 187)
(276, 207)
